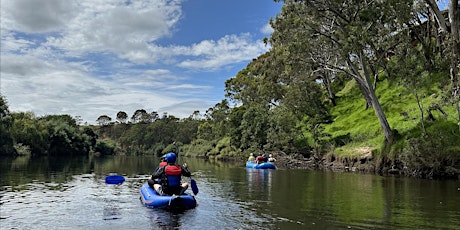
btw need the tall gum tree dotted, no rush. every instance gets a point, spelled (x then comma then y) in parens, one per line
(450, 36)
(358, 33)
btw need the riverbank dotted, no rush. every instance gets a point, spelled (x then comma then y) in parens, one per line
(364, 163)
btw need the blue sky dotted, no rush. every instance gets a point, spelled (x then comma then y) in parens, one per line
(96, 57)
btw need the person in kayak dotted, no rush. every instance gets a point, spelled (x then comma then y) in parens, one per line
(261, 158)
(170, 176)
(163, 161)
(271, 158)
(251, 157)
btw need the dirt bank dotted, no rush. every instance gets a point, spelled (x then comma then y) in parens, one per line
(363, 163)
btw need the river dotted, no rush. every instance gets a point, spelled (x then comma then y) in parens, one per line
(70, 193)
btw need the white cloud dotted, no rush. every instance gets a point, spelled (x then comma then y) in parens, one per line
(227, 50)
(33, 16)
(267, 29)
(92, 57)
(122, 29)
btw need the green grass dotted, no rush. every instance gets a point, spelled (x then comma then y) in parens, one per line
(361, 125)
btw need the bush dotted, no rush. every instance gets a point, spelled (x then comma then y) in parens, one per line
(105, 147)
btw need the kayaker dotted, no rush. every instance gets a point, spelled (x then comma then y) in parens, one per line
(163, 161)
(170, 176)
(260, 158)
(271, 158)
(162, 164)
(251, 157)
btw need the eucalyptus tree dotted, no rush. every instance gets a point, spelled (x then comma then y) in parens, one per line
(447, 32)
(154, 116)
(140, 115)
(216, 121)
(355, 34)
(256, 90)
(122, 116)
(258, 83)
(103, 120)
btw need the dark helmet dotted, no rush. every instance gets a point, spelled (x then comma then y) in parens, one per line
(170, 157)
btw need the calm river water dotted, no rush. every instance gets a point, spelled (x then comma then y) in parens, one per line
(70, 193)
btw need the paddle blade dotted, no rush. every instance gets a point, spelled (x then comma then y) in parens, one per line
(114, 179)
(194, 187)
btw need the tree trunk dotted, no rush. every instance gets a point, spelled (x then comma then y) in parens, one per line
(368, 91)
(361, 84)
(327, 83)
(438, 15)
(367, 83)
(454, 43)
(388, 134)
(454, 18)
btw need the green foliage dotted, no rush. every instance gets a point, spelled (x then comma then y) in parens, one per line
(283, 133)
(30, 132)
(105, 147)
(224, 150)
(152, 138)
(49, 135)
(22, 150)
(434, 155)
(200, 148)
(65, 138)
(6, 137)
(254, 127)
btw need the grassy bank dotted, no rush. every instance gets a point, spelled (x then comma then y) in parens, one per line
(423, 147)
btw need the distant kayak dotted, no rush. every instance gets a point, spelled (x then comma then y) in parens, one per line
(150, 198)
(265, 165)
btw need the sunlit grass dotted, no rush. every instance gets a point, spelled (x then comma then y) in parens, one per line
(361, 125)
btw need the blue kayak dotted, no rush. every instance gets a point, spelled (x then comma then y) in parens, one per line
(265, 165)
(150, 198)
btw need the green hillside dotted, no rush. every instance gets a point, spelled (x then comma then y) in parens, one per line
(358, 129)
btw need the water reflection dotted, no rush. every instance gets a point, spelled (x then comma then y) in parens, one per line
(259, 182)
(165, 219)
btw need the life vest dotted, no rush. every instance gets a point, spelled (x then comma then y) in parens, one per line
(260, 159)
(163, 163)
(173, 174)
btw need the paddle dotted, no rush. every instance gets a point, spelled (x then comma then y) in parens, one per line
(118, 179)
(194, 186)
(114, 179)
(192, 181)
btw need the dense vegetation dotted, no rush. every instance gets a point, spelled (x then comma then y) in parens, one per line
(343, 79)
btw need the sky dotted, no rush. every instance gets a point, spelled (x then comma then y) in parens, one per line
(88, 58)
